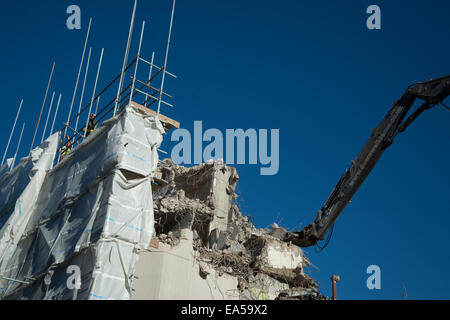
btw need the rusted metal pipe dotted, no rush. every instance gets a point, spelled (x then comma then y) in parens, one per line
(334, 280)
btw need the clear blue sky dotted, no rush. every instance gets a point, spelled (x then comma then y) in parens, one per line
(309, 68)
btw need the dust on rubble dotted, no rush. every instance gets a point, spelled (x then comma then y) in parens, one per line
(203, 199)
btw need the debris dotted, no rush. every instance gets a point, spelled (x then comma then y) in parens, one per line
(196, 219)
(154, 243)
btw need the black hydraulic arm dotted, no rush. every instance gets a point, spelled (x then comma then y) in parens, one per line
(432, 93)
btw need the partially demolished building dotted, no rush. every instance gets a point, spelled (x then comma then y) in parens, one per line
(136, 227)
(108, 220)
(204, 248)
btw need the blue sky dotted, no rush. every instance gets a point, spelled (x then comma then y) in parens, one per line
(309, 68)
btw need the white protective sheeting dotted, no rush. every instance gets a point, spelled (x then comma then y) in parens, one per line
(19, 189)
(94, 212)
(14, 182)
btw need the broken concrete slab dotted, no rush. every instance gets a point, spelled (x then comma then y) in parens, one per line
(208, 249)
(174, 273)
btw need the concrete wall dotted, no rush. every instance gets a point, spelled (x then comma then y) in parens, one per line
(171, 273)
(280, 255)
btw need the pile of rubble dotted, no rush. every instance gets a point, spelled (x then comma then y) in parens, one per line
(197, 206)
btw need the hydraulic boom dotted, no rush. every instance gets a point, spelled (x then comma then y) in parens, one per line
(432, 93)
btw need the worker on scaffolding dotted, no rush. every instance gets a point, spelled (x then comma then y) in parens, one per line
(66, 148)
(92, 125)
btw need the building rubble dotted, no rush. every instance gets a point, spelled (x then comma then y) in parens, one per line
(97, 216)
(204, 248)
(134, 227)
(73, 230)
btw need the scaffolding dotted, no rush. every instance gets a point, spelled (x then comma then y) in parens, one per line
(146, 94)
(134, 90)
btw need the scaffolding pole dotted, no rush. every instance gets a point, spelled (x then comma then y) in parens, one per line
(96, 107)
(444, 106)
(84, 86)
(15, 280)
(165, 59)
(18, 146)
(42, 108)
(103, 91)
(150, 87)
(56, 112)
(93, 93)
(48, 116)
(158, 68)
(150, 75)
(78, 77)
(125, 59)
(12, 131)
(137, 61)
